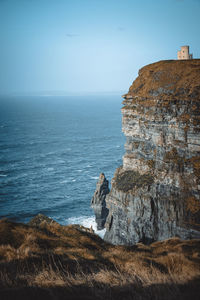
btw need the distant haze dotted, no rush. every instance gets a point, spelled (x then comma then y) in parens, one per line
(89, 46)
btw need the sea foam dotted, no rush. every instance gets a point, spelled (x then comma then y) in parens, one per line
(88, 222)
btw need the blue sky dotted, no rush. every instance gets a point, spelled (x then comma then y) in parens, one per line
(89, 46)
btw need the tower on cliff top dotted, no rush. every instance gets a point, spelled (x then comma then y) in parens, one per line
(184, 53)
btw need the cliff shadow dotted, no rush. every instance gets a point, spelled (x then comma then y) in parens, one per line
(187, 291)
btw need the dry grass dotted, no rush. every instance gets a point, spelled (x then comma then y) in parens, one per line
(58, 262)
(168, 80)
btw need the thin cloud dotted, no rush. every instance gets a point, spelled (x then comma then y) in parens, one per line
(120, 28)
(71, 35)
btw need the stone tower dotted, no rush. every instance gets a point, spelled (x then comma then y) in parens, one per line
(184, 53)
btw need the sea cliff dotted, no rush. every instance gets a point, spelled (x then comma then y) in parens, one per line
(155, 194)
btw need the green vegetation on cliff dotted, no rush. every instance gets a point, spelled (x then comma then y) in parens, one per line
(128, 180)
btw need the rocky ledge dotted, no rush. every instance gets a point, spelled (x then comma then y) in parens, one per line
(155, 194)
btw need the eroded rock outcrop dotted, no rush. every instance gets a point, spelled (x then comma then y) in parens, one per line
(40, 220)
(156, 193)
(98, 202)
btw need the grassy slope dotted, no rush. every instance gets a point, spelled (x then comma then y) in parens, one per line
(64, 262)
(175, 79)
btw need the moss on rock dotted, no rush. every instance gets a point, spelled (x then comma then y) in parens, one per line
(129, 180)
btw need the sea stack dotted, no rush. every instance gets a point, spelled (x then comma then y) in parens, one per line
(155, 194)
(98, 202)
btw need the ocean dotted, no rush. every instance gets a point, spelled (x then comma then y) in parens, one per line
(52, 150)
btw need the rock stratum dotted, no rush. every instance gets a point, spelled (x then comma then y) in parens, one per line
(155, 194)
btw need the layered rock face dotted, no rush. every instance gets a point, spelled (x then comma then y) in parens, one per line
(156, 193)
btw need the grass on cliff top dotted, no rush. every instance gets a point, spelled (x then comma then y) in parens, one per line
(129, 180)
(63, 262)
(168, 79)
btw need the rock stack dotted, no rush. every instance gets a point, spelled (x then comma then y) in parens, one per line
(98, 202)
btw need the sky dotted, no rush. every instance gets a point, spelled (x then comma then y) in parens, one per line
(89, 46)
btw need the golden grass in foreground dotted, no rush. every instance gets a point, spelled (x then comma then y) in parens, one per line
(63, 262)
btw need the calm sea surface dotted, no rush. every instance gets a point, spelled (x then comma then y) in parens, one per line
(52, 150)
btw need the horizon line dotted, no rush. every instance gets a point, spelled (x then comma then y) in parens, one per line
(60, 93)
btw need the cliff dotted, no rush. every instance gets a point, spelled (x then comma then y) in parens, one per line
(155, 194)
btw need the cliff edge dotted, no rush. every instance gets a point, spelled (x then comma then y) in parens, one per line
(45, 260)
(155, 194)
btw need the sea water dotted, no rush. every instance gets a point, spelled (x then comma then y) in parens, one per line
(52, 150)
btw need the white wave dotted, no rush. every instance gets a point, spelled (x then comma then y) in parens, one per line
(50, 169)
(87, 222)
(64, 181)
(3, 175)
(68, 180)
(50, 153)
(79, 170)
(60, 161)
(94, 177)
